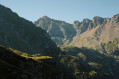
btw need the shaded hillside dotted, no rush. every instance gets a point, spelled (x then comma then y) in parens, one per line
(21, 34)
(60, 31)
(81, 62)
(15, 66)
(87, 64)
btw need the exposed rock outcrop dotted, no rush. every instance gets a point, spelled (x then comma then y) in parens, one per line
(60, 31)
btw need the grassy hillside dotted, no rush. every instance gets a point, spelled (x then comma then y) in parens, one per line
(17, 65)
(88, 64)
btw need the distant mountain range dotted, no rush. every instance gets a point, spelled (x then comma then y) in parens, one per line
(101, 30)
(88, 33)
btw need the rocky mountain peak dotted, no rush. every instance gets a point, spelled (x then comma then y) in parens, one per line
(45, 17)
(59, 31)
(116, 17)
(76, 23)
(86, 20)
(43, 20)
(98, 19)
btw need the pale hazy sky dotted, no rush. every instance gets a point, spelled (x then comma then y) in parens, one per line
(66, 10)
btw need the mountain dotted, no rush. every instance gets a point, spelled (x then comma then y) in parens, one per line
(88, 33)
(60, 31)
(21, 34)
(63, 62)
(92, 33)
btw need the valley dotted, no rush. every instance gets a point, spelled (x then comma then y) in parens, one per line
(53, 49)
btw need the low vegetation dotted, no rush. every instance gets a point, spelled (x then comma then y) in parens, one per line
(111, 47)
(15, 62)
(86, 63)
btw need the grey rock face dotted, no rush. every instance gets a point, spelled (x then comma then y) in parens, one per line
(60, 31)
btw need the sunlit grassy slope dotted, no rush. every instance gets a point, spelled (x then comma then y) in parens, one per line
(13, 61)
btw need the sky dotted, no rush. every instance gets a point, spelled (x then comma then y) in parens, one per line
(65, 10)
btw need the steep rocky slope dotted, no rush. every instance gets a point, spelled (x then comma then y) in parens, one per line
(21, 34)
(102, 30)
(60, 31)
(88, 33)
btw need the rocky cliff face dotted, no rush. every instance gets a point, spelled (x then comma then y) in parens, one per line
(21, 34)
(87, 24)
(88, 33)
(102, 30)
(60, 31)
